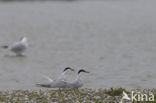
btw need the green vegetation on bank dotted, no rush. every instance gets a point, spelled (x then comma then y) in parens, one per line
(112, 95)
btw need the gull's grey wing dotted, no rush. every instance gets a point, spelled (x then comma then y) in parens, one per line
(17, 47)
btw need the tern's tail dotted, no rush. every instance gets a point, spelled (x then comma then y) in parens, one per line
(44, 85)
(4, 46)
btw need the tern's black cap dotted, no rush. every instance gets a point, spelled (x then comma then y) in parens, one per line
(66, 68)
(82, 70)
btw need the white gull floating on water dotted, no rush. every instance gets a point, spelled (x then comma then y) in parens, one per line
(18, 47)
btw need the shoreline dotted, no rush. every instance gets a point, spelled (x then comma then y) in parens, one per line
(112, 95)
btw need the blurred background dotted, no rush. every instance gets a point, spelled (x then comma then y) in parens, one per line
(115, 40)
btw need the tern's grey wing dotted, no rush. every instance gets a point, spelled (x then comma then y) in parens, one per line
(59, 84)
(75, 84)
(54, 84)
(62, 77)
(51, 80)
(44, 85)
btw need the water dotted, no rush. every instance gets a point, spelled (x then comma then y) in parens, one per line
(115, 40)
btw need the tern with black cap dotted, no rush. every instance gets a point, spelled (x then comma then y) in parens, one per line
(60, 82)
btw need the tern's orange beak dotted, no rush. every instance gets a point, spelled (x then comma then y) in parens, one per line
(86, 72)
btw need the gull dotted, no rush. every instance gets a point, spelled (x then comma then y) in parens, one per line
(60, 82)
(77, 83)
(18, 47)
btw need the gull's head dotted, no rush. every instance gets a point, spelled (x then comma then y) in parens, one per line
(68, 68)
(24, 39)
(82, 70)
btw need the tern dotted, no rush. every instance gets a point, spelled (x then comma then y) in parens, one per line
(60, 82)
(77, 83)
(18, 47)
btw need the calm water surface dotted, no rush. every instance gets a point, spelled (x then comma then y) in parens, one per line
(113, 39)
